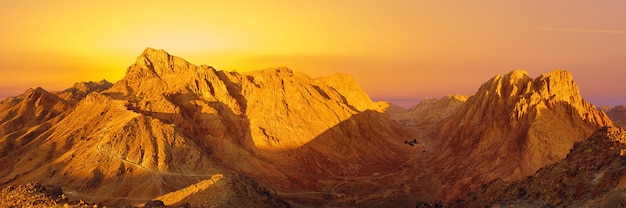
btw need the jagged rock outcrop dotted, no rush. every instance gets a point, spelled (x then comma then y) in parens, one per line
(618, 115)
(590, 176)
(169, 124)
(510, 128)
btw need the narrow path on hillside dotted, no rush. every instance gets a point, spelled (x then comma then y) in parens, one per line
(135, 164)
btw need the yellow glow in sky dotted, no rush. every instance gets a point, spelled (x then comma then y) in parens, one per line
(396, 50)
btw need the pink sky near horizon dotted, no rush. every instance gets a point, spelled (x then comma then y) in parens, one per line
(399, 51)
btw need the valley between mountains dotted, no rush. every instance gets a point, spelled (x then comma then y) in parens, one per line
(175, 134)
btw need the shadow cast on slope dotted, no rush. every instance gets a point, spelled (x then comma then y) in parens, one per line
(359, 160)
(362, 159)
(92, 172)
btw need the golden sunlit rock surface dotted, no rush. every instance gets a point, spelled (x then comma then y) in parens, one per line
(510, 128)
(169, 124)
(181, 135)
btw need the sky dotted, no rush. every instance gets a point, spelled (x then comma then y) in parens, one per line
(399, 51)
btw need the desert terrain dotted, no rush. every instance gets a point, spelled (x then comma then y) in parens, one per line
(175, 134)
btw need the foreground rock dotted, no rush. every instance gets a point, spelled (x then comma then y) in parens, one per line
(32, 194)
(592, 175)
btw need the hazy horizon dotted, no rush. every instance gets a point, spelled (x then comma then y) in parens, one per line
(401, 50)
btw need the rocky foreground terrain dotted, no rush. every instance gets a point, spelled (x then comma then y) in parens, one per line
(592, 175)
(175, 134)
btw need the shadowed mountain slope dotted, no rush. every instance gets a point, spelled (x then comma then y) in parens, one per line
(169, 124)
(191, 135)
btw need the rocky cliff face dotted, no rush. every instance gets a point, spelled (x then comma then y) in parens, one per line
(169, 124)
(193, 135)
(510, 128)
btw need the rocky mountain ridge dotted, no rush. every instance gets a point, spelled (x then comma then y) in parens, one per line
(511, 127)
(188, 135)
(169, 124)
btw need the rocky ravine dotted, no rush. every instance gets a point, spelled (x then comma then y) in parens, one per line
(425, 116)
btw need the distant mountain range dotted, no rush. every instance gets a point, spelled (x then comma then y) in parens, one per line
(179, 134)
(617, 114)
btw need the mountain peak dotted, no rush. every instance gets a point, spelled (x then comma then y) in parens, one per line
(533, 122)
(508, 85)
(150, 50)
(32, 95)
(151, 57)
(558, 84)
(563, 74)
(150, 54)
(516, 73)
(157, 63)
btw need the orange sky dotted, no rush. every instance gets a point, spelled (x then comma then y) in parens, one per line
(404, 50)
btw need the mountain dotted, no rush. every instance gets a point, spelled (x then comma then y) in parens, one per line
(618, 115)
(427, 114)
(591, 175)
(25, 116)
(183, 134)
(510, 128)
(82, 89)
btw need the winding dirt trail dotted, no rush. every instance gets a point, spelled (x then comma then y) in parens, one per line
(135, 164)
